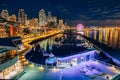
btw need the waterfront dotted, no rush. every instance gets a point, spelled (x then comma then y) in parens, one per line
(60, 40)
(40, 71)
(109, 36)
(62, 46)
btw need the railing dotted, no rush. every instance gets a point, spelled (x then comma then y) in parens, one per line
(108, 64)
(29, 60)
(8, 63)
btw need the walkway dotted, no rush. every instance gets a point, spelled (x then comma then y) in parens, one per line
(71, 73)
(107, 50)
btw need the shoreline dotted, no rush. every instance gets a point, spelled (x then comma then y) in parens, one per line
(42, 38)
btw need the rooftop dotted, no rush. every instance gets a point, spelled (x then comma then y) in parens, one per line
(10, 42)
(2, 50)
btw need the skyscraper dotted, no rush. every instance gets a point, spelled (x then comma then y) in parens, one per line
(25, 18)
(54, 19)
(5, 14)
(21, 16)
(61, 24)
(49, 17)
(12, 18)
(42, 18)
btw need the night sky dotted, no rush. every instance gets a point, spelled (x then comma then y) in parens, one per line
(88, 12)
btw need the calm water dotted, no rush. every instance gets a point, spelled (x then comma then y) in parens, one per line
(63, 45)
(108, 36)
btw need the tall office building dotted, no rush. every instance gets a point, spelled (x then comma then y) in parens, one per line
(54, 19)
(61, 22)
(3, 31)
(25, 18)
(35, 22)
(21, 16)
(12, 18)
(42, 18)
(5, 14)
(49, 17)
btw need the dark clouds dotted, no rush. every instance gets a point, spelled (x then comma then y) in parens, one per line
(88, 12)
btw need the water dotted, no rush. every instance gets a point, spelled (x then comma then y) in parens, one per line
(64, 45)
(108, 36)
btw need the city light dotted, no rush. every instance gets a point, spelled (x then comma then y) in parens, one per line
(31, 65)
(54, 69)
(80, 28)
(55, 41)
(41, 68)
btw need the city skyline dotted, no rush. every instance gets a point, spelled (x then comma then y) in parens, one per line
(60, 40)
(88, 12)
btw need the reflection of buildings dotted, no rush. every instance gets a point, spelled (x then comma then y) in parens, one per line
(8, 55)
(107, 35)
(67, 49)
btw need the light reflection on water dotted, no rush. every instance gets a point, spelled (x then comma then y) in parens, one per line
(61, 39)
(47, 44)
(108, 36)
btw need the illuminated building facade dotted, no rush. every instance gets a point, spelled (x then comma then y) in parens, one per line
(54, 19)
(25, 18)
(12, 30)
(5, 14)
(8, 55)
(49, 17)
(61, 24)
(42, 17)
(12, 18)
(36, 22)
(21, 16)
(3, 31)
